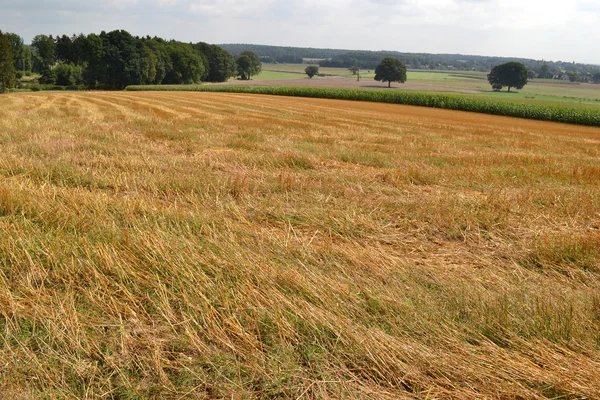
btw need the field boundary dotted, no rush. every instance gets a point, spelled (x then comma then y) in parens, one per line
(567, 115)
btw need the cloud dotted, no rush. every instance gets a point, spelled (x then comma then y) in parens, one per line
(532, 28)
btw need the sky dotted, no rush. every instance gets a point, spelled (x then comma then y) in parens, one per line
(567, 30)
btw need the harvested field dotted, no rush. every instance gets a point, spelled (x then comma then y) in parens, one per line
(210, 245)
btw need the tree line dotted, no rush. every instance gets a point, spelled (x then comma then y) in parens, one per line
(114, 60)
(364, 59)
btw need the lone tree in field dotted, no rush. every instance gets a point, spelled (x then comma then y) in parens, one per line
(511, 74)
(248, 64)
(311, 70)
(7, 64)
(390, 70)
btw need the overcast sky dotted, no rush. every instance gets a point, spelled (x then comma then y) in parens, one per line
(567, 30)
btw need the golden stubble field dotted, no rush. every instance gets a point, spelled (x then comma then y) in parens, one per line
(205, 245)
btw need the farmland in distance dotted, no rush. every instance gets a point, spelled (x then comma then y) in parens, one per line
(217, 245)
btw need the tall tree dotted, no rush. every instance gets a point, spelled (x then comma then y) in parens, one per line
(221, 65)
(160, 61)
(64, 49)
(188, 66)
(544, 72)
(511, 74)
(124, 61)
(44, 53)
(16, 44)
(7, 64)
(27, 63)
(390, 70)
(244, 67)
(248, 64)
(92, 55)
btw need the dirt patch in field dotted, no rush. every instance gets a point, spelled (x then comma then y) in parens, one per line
(339, 82)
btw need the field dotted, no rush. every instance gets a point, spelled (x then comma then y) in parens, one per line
(542, 91)
(215, 245)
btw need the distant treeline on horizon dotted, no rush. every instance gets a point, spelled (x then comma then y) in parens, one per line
(370, 59)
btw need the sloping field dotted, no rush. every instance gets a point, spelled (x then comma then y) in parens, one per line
(211, 245)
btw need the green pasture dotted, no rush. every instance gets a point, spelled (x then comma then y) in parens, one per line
(299, 69)
(538, 91)
(267, 75)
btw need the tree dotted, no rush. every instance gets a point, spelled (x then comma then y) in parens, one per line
(544, 72)
(573, 76)
(354, 70)
(188, 66)
(244, 66)
(221, 65)
(44, 53)
(17, 46)
(7, 64)
(531, 74)
(390, 70)
(596, 77)
(27, 63)
(68, 74)
(248, 64)
(511, 74)
(92, 52)
(159, 61)
(64, 49)
(312, 70)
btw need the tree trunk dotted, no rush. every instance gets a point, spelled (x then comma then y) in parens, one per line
(509, 88)
(389, 83)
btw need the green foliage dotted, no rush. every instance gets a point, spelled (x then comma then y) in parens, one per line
(511, 74)
(248, 65)
(188, 66)
(44, 53)
(579, 116)
(596, 77)
(544, 72)
(574, 76)
(311, 70)
(221, 65)
(68, 74)
(390, 70)
(7, 65)
(64, 49)
(17, 46)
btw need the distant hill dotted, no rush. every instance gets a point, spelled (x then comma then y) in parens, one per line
(370, 59)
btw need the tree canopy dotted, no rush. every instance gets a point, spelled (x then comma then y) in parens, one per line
(511, 74)
(390, 70)
(7, 64)
(113, 60)
(248, 64)
(311, 70)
